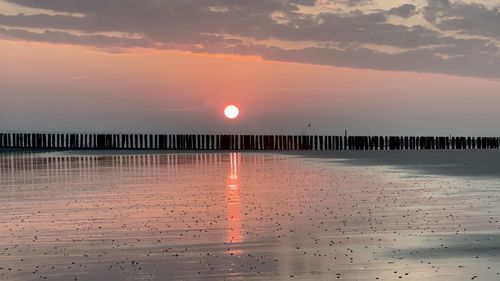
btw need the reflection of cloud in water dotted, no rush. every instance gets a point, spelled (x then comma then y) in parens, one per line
(258, 216)
(454, 246)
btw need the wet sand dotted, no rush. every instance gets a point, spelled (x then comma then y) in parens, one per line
(243, 216)
(468, 163)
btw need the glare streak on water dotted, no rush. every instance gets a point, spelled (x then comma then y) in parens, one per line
(239, 216)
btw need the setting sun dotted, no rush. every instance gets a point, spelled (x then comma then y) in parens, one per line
(231, 111)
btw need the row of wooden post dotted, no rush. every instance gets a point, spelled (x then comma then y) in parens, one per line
(241, 142)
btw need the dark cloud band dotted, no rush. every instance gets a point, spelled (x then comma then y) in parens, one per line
(352, 39)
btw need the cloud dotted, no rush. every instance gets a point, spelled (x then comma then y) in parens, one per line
(465, 18)
(77, 77)
(403, 11)
(100, 41)
(351, 37)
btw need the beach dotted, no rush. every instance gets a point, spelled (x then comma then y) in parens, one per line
(385, 215)
(462, 163)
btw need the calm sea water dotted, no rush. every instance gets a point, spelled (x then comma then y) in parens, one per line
(239, 216)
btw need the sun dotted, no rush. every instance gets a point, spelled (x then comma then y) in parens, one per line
(231, 111)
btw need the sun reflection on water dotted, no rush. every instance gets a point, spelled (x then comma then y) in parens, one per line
(234, 234)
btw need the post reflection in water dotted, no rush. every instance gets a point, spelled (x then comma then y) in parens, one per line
(183, 216)
(234, 234)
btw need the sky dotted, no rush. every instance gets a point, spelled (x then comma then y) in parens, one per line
(372, 67)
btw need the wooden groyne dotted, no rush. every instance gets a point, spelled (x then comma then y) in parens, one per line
(240, 142)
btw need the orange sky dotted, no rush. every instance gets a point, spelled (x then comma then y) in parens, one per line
(55, 87)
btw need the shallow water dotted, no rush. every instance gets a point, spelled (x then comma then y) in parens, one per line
(240, 216)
